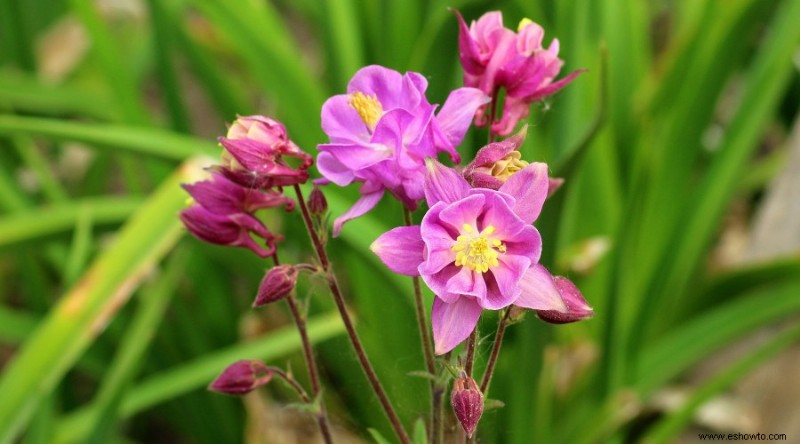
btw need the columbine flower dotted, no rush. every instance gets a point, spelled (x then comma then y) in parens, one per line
(476, 249)
(493, 57)
(497, 161)
(241, 377)
(254, 154)
(467, 402)
(382, 130)
(222, 213)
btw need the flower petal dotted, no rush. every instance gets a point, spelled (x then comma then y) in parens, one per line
(341, 121)
(400, 249)
(333, 170)
(361, 207)
(467, 282)
(539, 291)
(457, 113)
(356, 156)
(529, 187)
(443, 184)
(452, 323)
(506, 276)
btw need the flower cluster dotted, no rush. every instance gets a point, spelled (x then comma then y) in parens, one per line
(249, 180)
(476, 246)
(495, 57)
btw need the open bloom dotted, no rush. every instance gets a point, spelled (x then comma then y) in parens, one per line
(382, 130)
(494, 56)
(476, 249)
(496, 162)
(255, 148)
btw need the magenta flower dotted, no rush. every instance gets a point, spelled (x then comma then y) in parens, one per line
(476, 249)
(222, 214)
(382, 130)
(495, 57)
(467, 402)
(254, 154)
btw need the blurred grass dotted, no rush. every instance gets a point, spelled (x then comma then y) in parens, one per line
(159, 79)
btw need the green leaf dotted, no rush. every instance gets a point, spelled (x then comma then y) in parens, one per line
(83, 312)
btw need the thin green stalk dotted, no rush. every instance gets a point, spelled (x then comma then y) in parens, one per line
(502, 323)
(36, 161)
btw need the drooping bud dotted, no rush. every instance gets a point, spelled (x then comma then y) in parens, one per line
(577, 307)
(232, 229)
(467, 402)
(278, 282)
(255, 148)
(241, 377)
(317, 204)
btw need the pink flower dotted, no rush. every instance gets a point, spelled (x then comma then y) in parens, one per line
(254, 154)
(497, 161)
(476, 249)
(495, 57)
(382, 130)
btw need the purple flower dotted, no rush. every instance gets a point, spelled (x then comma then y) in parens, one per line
(254, 154)
(476, 249)
(241, 377)
(382, 130)
(493, 57)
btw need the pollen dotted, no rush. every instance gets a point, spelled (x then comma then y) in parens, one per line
(523, 23)
(368, 108)
(477, 251)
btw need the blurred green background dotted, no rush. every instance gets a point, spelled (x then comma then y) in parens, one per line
(112, 320)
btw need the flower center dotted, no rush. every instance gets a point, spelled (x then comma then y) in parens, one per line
(367, 107)
(477, 251)
(508, 165)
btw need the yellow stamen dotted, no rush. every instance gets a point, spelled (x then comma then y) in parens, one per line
(523, 23)
(508, 165)
(368, 108)
(477, 251)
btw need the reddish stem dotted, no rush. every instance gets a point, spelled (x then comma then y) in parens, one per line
(355, 341)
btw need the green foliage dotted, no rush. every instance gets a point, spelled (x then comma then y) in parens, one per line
(150, 88)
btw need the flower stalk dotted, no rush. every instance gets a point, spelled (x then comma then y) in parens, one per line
(355, 341)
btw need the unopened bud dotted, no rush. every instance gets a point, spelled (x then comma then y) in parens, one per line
(577, 307)
(278, 282)
(317, 204)
(241, 377)
(467, 402)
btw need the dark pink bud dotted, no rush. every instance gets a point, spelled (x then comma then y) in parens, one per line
(553, 184)
(317, 204)
(241, 377)
(577, 307)
(467, 402)
(278, 282)
(220, 195)
(232, 230)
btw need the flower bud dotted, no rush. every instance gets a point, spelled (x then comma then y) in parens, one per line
(496, 162)
(467, 402)
(278, 282)
(241, 377)
(317, 204)
(577, 307)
